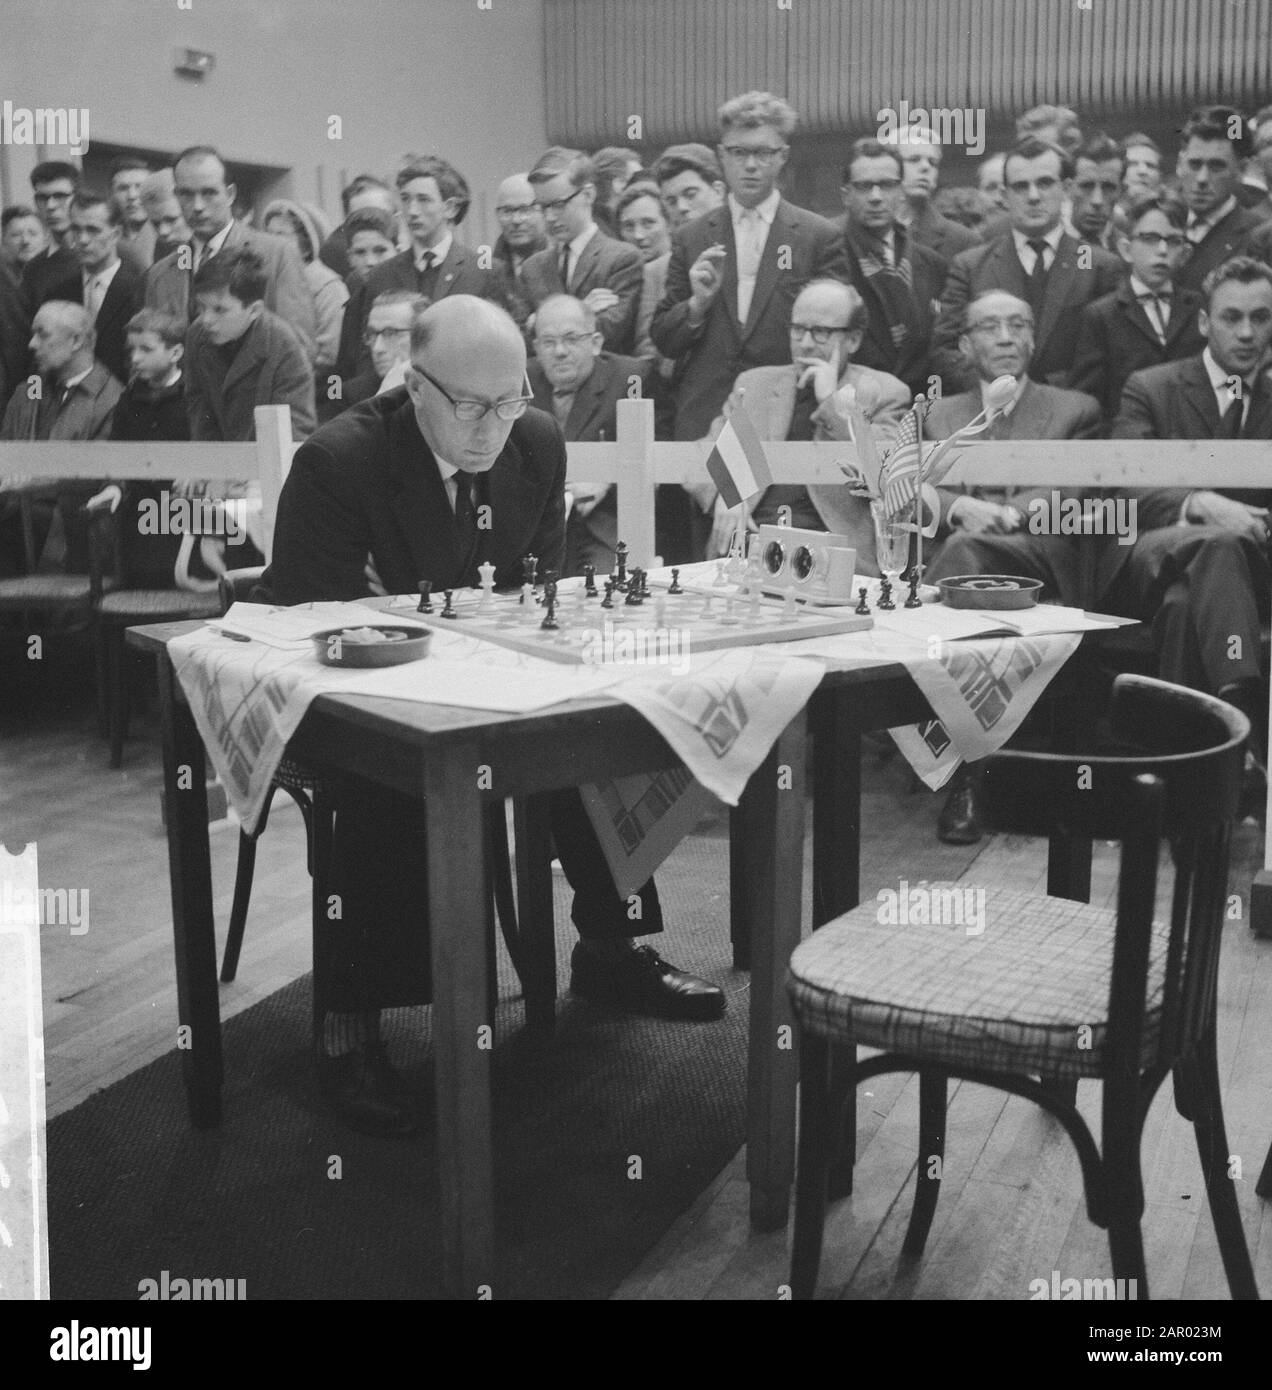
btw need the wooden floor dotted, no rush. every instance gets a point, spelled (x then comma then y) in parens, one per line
(1010, 1208)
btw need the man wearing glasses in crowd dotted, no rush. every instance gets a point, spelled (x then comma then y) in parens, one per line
(1035, 260)
(389, 493)
(735, 272)
(899, 281)
(580, 259)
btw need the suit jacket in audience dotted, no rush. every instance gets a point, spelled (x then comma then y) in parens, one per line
(1175, 401)
(713, 355)
(460, 273)
(996, 266)
(911, 362)
(1115, 338)
(1040, 412)
(269, 368)
(85, 414)
(15, 332)
(939, 233)
(138, 247)
(45, 271)
(593, 417)
(286, 293)
(769, 393)
(1226, 238)
(123, 298)
(602, 264)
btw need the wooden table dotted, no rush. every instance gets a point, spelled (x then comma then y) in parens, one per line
(436, 751)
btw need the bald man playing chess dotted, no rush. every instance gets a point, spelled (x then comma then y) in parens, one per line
(392, 489)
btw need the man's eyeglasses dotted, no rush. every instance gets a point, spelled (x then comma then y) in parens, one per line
(558, 204)
(569, 340)
(1016, 326)
(821, 336)
(762, 154)
(373, 335)
(511, 409)
(1171, 241)
(867, 186)
(506, 212)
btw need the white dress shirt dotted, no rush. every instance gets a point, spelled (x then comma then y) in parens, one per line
(206, 250)
(1025, 253)
(575, 249)
(437, 254)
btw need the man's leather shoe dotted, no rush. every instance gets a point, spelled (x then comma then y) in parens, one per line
(959, 821)
(367, 1093)
(642, 982)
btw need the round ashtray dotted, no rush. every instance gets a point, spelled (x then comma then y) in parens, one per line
(989, 591)
(354, 646)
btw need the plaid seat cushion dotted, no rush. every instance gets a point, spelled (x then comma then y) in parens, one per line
(46, 588)
(1027, 995)
(148, 605)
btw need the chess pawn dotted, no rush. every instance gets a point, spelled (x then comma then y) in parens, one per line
(608, 600)
(862, 605)
(675, 583)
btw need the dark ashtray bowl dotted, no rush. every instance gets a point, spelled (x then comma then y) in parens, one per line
(411, 646)
(1000, 591)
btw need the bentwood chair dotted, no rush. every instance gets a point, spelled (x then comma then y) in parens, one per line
(1053, 990)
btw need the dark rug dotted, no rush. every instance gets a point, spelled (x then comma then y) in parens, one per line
(604, 1134)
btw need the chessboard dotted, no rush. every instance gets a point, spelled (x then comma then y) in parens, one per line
(662, 627)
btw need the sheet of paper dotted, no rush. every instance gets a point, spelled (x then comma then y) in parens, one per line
(291, 628)
(958, 624)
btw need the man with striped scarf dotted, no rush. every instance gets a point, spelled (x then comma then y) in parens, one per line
(899, 280)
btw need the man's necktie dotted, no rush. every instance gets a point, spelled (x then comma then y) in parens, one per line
(1230, 425)
(1196, 231)
(465, 524)
(1157, 311)
(1037, 277)
(563, 266)
(750, 234)
(93, 296)
(426, 274)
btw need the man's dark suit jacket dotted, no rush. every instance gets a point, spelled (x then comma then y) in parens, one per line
(592, 418)
(1115, 339)
(287, 293)
(367, 484)
(940, 233)
(877, 350)
(41, 274)
(603, 264)
(720, 348)
(124, 297)
(459, 273)
(1175, 401)
(15, 333)
(1226, 238)
(996, 266)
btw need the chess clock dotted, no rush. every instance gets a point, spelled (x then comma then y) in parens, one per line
(817, 565)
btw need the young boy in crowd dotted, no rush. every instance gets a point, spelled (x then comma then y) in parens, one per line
(1147, 319)
(240, 355)
(152, 409)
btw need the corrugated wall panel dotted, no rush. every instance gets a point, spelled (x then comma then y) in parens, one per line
(839, 61)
